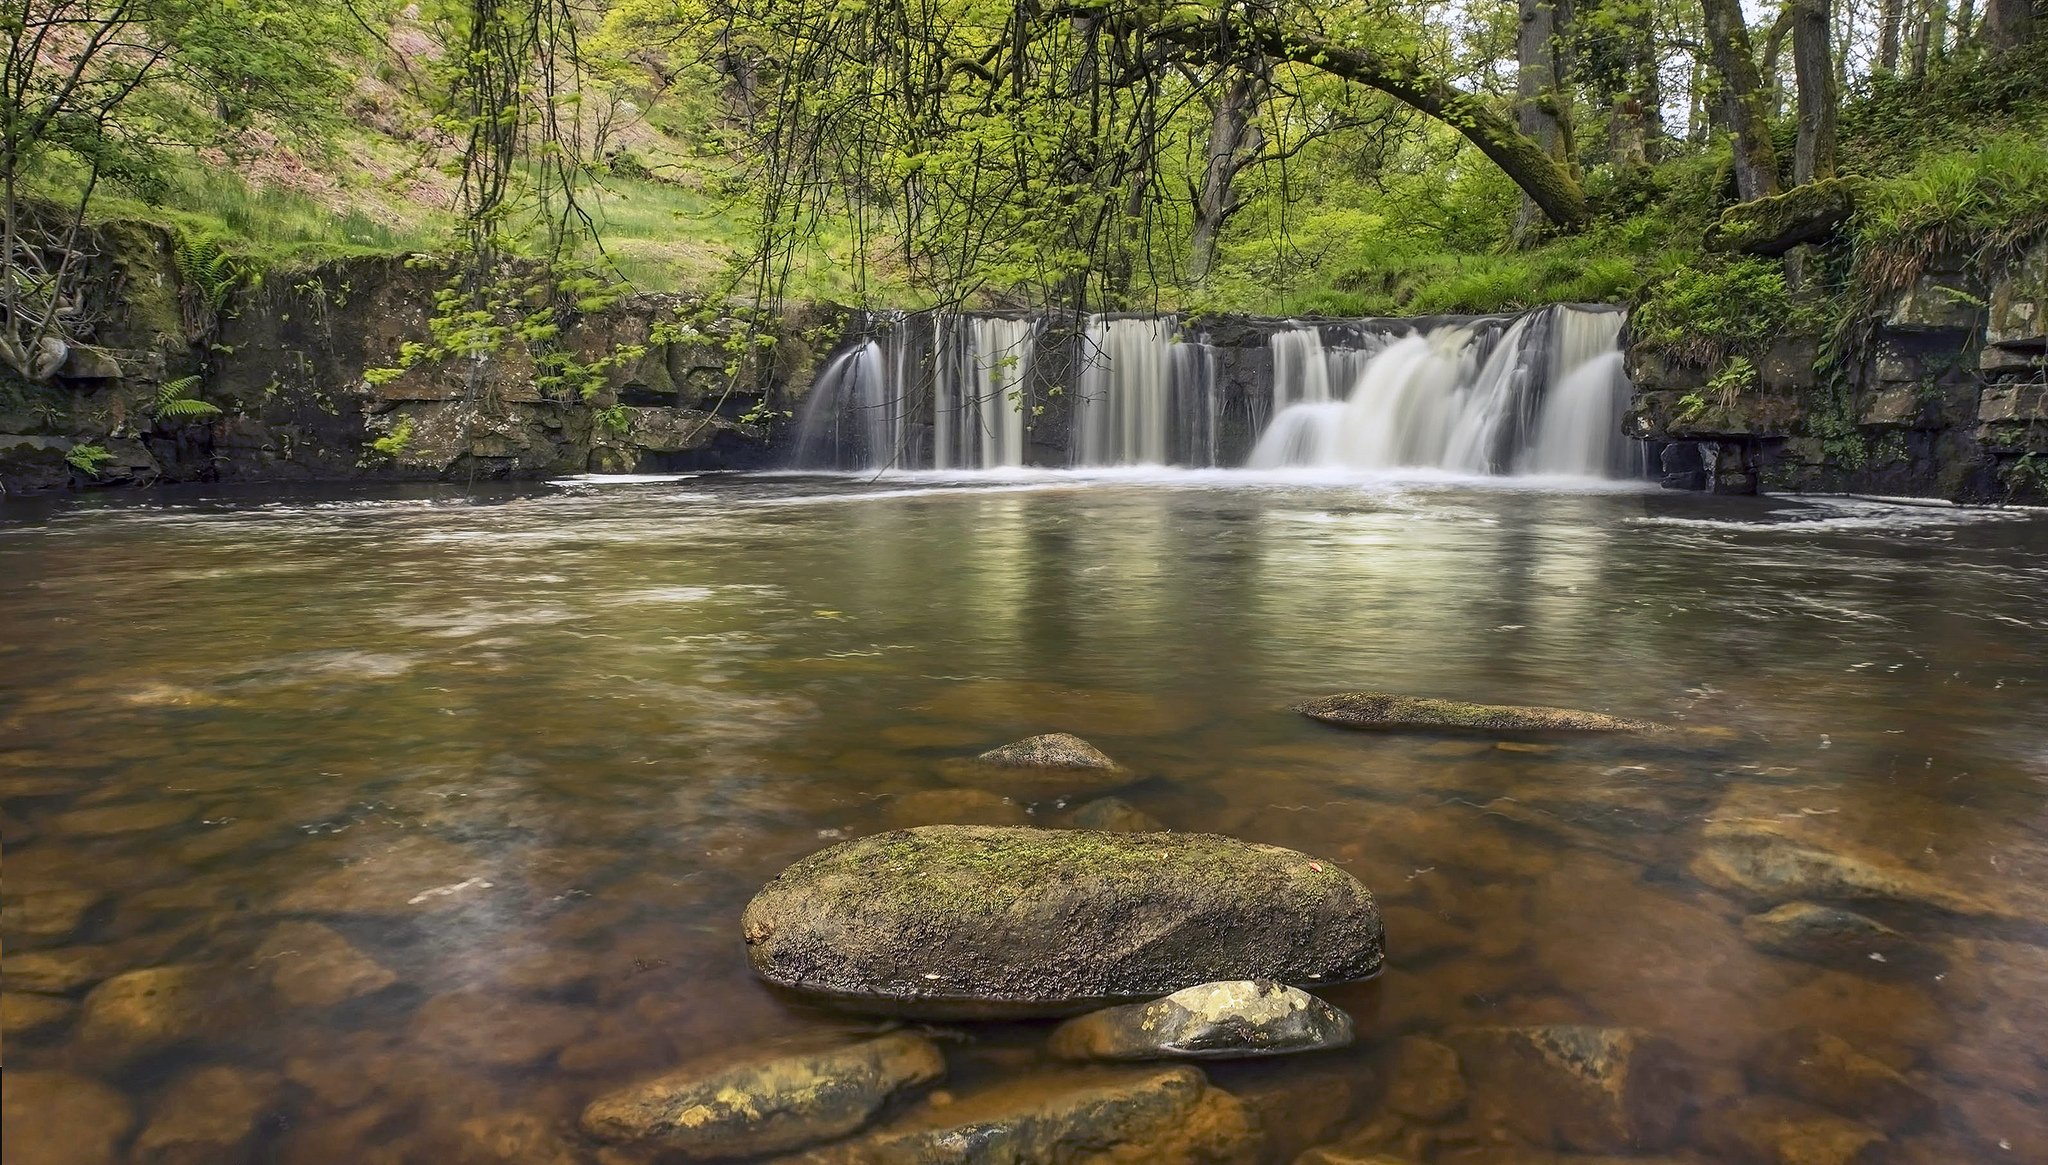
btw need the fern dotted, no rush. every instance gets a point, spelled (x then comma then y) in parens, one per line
(88, 458)
(208, 270)
(177, 401)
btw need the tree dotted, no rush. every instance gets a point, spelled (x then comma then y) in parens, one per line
(2009, 24)
(1540, 93)
(1234, 142)
(1756, 161)
(1814, 154)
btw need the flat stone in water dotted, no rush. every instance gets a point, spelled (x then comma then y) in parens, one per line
(1826, 934)
(60, 1118)
(496, 1029)
(1593, 1089)
(310, 965)
(206, 1117)
(1115, 815)
(1387, 711)
(766, 1106)
(962, 920)
(143, 1011)
(1228, 1020)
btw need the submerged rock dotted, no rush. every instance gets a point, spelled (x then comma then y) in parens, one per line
(1245, 1017)
(1425, 1083)
(1826, 1070)
(766, 1106)
(1757, 859)
(310, 965)
(23, 1015)
(953, 807)
(1784, 1132)
(1162, 1116)
(1828, 934)
(58, 1118)
(1056, 764)
(1115, 815)
(142, 1011)
(1386, 711)
(1592, 1089)
(956, 920)
(207, 1117)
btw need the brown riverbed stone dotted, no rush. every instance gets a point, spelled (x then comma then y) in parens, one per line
(496, 1029)
(61, 1118)
(133, 817)
(767, 1105)
(952, 807)
(413, 874)
(1115, 815)
(310, 965)
(1424, 1081)
(27, 1015)
(139, 1012)
(207, 1117)
(1824, 1069)
(1768, 1130)
(62, 970)
(1591, 1089)
(43, 913)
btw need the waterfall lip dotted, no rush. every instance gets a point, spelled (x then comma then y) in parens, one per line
(1310, 477)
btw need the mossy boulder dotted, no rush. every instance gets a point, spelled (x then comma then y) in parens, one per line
(1215, 1021)
(1772, 226)
(1386, 711)
(959, 920)
(766, 1105)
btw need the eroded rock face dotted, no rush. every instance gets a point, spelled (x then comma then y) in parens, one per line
(766, 1106)
(1390, 712)
(972, 920)
(59, 1118)
(1163, 1116)
(1591, 1089)
(1246, 1017)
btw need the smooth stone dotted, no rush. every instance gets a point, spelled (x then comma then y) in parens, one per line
(496, 1030)
(953, 807)
(207, 1117)
(1114, 815)
(978, 920)
(1425, 1082)
(62, 970)
(1591, 1089)
(1770, 1130)
(1827, 934)
(1757, 859)
(1297, 1103)
(413, 875)
(25, 1015)
(1824, 1069)
(46, 914)
(1162, 1116)
(61, 1118)
(766, 1106)
(1388, 711)
(309, 965)
(1052, 750)
(112, 820)
(138, 1012)
(1245, 1017)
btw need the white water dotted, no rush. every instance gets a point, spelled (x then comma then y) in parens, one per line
(978, 395)
(1464, 399)
(1123, 413)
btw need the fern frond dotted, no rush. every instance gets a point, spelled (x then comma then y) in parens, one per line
(186, 410)
(183, 388)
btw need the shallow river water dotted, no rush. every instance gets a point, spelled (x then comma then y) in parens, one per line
(436, 811)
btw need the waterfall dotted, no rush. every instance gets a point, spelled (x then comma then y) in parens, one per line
(1301, 371)
(978, 392)
(1122, 415)
(854, 416)
(1468, 398)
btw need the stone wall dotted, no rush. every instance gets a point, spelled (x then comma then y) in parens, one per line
(285, 359)
(1947, 396)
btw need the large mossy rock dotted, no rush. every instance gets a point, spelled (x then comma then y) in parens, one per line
(766, 1105)
(1389, 712)
(1811, 213)
(959, 920)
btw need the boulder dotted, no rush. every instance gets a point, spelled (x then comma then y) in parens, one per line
(1056, 764)
(1826, 1070)
(1810, 213)
(957, 920)
(24, 1015)
(766, 1106)
(45, 914)
(1570, 1086)
(1161, 1116)
(1115, 815)
(1815, 933)
(310, 965)
(1246, 1017)
(59, 1118)
(1386, 711)
(143, 1011)
(1053, 750)
(1767, 1130)
(207, 1117)
(1425, 1083)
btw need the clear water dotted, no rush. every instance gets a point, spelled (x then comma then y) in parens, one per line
(550, 740)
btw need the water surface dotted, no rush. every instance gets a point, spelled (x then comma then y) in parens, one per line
(530, 751)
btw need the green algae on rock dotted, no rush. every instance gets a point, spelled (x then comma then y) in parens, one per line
(954, 920)
(1387, 711)
(1230, 1020)
(766, 1106)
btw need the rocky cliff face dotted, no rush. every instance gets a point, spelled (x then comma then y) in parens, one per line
(285, 361)
(1944, 393)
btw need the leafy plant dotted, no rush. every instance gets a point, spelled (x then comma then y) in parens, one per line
(88, 458)
(178, 402)
(617, 418)
(392, 445)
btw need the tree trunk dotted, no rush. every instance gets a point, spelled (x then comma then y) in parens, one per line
(1233, 139)
(1538, 105)
(1814, 155)
(1888, 21)
(2008, 24)
(1756, 162)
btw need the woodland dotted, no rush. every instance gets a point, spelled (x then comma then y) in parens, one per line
(1364, 157)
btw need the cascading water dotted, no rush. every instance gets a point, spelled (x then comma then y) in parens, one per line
(1540, 393)
(1468, 398)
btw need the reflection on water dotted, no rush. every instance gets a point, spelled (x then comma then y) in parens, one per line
(435, 816)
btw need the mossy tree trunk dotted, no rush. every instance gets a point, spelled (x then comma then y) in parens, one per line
(2008, 24)
(1540, 108)
(1756, 162)
(1234, 141)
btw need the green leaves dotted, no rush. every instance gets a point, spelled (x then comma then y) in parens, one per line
(177, 402)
